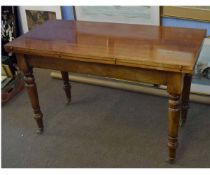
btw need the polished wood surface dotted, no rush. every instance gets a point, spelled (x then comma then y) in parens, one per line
(160, 48)
(105, 70)
(151, 54)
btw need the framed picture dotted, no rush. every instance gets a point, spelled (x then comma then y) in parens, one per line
(200, 13)
(201, 78)
(30, 16)
(149, 15)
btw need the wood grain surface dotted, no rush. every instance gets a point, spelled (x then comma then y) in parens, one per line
(144, 46)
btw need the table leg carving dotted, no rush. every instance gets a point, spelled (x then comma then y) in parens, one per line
(33, 95)
(67, 86)
(185, 98)
(32, 91)
(174, 88)
(173, 119)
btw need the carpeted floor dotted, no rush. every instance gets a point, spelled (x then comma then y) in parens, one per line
(102, 127)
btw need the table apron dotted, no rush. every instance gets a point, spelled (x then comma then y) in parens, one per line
(105, 70)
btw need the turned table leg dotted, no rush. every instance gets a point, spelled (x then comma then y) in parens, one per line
(173, 124)
(67, 85)
(185, 98)
(33, 95)
(174, 106)
(32, 91)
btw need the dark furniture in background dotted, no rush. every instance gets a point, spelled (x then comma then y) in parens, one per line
(9, 31)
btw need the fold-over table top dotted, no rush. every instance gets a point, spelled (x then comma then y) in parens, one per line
(153, 47)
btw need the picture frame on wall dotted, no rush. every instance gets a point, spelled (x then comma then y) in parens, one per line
(199, 13)
(30, 16)
(148, 15)
(201, 78)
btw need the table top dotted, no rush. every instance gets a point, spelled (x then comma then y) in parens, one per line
(144, 46)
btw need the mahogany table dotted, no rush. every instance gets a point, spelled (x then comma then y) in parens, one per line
(151, 54)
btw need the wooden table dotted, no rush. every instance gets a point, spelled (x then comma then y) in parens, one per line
(151, 54)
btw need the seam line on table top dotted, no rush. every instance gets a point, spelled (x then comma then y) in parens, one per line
(115, 61)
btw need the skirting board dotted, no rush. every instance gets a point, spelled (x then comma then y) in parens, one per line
(198, 89)
(126, 85)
